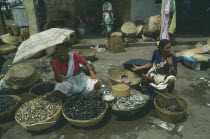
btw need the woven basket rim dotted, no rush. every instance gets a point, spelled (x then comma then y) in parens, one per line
(9, 110)
(170, 112)
(9, 39)
(35, 95)
(138, 79)
(82, 121)
(25, 125)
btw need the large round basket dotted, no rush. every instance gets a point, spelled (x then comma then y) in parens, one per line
(129, 113)
(169, 116)
(21, 75)
(47, 84)
(7, 49)
(44, 124)
(9, 39)
(84, 123)
(88, 54)
(114, 75)
(11, 111)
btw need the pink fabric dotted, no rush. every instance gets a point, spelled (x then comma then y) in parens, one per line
(77, 60)
(165, 34)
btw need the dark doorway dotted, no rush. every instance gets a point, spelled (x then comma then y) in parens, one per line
(193, 17)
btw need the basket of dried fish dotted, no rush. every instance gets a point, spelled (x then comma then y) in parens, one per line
(42, 88)
(172, 109)
(84, 110)
(8, 105)
(38, 114)
(114, 75)
(129, 106)
(88, 54)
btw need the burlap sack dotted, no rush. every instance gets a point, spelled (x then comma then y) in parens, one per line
(152, 25)
(115, 44)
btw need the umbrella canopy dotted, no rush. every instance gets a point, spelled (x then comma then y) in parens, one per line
(41, 41)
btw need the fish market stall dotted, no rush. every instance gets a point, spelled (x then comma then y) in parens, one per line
(85, 110)
(8, 105)
(38, 114)
(42, 88)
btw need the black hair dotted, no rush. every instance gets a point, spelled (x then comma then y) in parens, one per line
(163, 43)
(64, 44)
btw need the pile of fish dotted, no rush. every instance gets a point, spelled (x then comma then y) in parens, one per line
(6, 103)
(129, 103)
(37, 111)
(84, 107)
(173, 108)
(42, 89)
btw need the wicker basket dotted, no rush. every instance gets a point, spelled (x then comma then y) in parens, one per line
(84, 123)
(114, 75)
(169, 116)
(123, 113)
(7, 49)
(9, 39)
(11, 110)
(21, 75)
(44, 124)
(31, 92)
(88, 54)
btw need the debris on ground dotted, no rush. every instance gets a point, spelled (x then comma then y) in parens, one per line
(162, 124)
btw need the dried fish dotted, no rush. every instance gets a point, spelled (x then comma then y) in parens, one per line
(7, 102)
(37, 111)
(129, 103)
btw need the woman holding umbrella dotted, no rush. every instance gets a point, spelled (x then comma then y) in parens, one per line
(71, 80)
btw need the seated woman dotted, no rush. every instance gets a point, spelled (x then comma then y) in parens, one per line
(163, 67)
(68, 74)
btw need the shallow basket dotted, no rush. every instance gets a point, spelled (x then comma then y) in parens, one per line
(88, 54)
(31, 92)
(129, 113)
(84, 123)
(10, 111)
(114, 74)
(169, 116)
(44, 124)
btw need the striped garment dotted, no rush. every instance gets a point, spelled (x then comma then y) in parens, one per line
(107, 6)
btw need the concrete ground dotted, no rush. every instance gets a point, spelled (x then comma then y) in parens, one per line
(188, 85)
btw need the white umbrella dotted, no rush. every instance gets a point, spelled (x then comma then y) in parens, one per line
(41, 41)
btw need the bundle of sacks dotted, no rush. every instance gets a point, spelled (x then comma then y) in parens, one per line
(201, 53)
(149, 30)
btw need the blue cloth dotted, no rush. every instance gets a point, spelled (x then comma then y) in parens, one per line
(156, 58)
(189, 59)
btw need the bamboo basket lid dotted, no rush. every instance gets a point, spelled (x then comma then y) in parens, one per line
(128, 28)
(7, 49)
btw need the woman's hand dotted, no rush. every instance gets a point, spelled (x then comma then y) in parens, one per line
(53, 65)
(169, 61)
(135, 68)
(93, 75)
